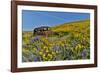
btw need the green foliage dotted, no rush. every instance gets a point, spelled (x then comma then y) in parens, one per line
(71, 43)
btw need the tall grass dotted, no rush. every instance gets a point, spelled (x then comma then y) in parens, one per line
(71, 43)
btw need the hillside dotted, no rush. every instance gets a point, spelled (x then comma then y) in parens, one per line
(71, 42)
(72, 26)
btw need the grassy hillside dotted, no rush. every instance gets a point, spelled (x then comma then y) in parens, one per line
(71, 43)
(72, 26)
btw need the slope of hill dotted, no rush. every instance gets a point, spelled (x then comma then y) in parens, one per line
(72, 42)
(72, 26)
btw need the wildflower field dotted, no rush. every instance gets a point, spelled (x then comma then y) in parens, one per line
(71, 43)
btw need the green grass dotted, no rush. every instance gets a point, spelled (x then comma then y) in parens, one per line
(71, 43)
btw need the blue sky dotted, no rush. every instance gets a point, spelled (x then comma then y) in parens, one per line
(32, 19)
